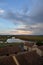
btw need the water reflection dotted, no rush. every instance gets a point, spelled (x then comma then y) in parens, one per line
(13, 39)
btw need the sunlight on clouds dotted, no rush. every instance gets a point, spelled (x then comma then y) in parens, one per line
(21, 26)
(4, 32)
(20, 32)
(16, 32)
(24, 32)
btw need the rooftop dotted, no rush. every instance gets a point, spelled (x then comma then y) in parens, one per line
(7, 60)
(29, 58)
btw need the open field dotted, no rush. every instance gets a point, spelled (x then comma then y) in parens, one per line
(9, 44)
(30, 37)
(23, 37)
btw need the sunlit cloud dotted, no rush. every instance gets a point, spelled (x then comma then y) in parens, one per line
(1, 11)
(21, 32)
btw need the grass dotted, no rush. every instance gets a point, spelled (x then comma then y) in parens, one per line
(30, 37)
(8, 44)
(23, 37)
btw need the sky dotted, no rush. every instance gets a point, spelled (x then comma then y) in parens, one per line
(21, 17)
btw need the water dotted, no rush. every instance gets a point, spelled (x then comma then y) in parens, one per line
(13, 39)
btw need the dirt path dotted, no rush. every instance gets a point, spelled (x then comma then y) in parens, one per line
(14, 58)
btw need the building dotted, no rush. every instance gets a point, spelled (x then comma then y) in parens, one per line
(29, 58)
(7, 60)
(28, 46)
(34, 47)
(7, 50)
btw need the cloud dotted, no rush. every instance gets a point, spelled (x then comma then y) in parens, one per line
(32, 16)
(21, 32)
(24, 18)
(15, 17)
(35, 15)
(1, 11)
(32, 20)
(25, 9)
(28, 30)
(37, 29)
(26, 26)
(36, 11)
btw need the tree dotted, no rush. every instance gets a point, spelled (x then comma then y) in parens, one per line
(39, 43)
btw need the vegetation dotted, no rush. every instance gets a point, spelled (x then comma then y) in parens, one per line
(30, 37)
(4, 38)
(9, 44)
(23, 37)
(39, 43)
